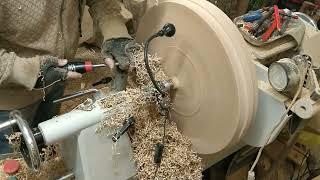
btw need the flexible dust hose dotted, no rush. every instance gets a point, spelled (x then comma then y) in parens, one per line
(168, 30)
(146, 62)
(60, 127)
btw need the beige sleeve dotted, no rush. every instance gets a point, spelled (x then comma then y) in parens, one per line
(17, 70)
(109, 18)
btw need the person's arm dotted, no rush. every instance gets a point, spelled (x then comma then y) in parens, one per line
(109, 18)
(18, 70)
(26, 71)
(34, 72)
(13, 69)
(109, 21)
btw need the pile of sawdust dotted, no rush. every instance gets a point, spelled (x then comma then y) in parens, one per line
(51, 169)
(120, 106)
(14, 140)
(179, 160)
(52, 166)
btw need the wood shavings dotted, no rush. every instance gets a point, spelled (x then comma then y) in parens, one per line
(49, 170)
(49, 152)
(142, 77)
(14, 140)
(120, 106)
(52, 166)
(179, 160)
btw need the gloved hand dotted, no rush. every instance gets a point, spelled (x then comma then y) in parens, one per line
(114, 51)
(50, 71)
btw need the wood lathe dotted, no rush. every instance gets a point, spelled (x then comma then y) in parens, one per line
(224, 97)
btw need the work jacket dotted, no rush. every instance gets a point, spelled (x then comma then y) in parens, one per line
(30, 29)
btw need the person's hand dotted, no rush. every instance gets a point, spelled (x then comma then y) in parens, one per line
(114, 51)
(109, 62)
(51, 71)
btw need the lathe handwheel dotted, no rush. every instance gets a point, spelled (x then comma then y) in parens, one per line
(29, 148)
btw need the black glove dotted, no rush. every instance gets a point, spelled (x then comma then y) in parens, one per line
(116, 48)
(50, 72)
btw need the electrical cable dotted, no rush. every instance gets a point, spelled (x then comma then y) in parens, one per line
(163, 143)
(301, 164)
(284, 118)
(311, 172)
(307, 163)
(159, 147)
(164, 131)
(45, 87)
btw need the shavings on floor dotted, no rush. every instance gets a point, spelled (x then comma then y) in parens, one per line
(52, 166)
(14, 140)
(179, 160)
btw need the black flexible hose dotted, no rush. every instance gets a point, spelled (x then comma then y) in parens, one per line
(146, 62)
(167, 30)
